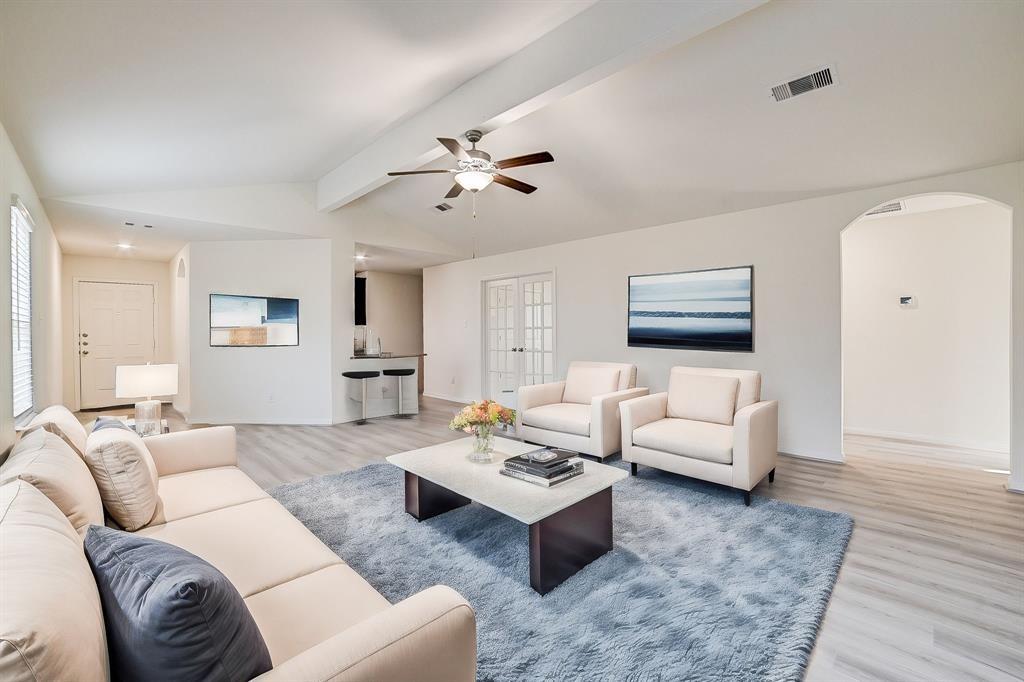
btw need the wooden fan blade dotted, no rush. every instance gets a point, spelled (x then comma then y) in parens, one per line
(513, 183)
(455, 148)
(455, 191)
(525, 160)
(422, 172)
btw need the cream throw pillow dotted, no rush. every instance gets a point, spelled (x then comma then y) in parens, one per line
(51, 626)
(702, 397)
(67, 424)
(583, 383)
(125, 475)
(47, 462)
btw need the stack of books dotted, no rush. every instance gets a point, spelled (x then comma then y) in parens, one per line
(545, 467)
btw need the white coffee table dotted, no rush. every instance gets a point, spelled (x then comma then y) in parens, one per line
(570, 523)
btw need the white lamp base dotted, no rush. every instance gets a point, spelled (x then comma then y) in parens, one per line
(147, 417)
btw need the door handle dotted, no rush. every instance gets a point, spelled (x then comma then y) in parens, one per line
(84, 335)
(85, 343)
(85, 352)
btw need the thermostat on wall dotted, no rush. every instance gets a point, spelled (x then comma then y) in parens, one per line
(907, 301)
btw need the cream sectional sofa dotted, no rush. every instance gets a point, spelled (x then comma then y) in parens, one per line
(320, 619)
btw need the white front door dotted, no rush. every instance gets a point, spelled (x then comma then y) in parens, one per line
(519, 335)
(115, 327)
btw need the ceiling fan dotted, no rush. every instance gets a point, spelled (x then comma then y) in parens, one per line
(475, 169)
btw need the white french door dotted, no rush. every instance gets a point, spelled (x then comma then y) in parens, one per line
(115, 327)
(519, 335)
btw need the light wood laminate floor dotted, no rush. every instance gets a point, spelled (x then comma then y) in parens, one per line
(932, 587)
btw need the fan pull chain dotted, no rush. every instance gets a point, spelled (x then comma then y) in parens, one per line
(474, 205)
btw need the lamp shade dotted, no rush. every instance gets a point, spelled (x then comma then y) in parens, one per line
(144, 381)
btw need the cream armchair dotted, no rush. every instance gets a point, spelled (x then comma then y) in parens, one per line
(581, 413)
(711, 425)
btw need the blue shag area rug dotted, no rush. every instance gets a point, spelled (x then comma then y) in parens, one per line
(698, 587)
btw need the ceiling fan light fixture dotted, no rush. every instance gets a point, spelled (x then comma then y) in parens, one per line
(474, 180)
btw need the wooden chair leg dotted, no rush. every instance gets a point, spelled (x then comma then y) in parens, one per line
(746, 497)
(632, 468)
(771, 476)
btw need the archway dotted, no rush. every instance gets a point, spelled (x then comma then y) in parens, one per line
(926, 327)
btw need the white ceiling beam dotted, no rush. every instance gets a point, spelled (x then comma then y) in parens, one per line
(601, 40)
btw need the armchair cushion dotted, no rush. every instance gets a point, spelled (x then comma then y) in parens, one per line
(696, 439)
(564, 417)
(582, 383)
(703, 398)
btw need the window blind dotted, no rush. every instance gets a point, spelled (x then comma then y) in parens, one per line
(21, 308)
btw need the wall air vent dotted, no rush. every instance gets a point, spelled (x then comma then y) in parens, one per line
(442, 207)
(884, 209)
(798, 86)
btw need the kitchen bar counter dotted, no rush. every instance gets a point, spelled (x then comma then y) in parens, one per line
(382, 391)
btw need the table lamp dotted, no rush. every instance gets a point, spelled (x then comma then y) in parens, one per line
(146, 381)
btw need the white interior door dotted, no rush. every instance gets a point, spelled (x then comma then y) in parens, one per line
(115, 327)
(519, 335)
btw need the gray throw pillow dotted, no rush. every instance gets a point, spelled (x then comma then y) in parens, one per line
(170, 615)
(109, 423)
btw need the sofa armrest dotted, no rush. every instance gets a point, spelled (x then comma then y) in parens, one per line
(175, 453)
(537, 395)
(429, 637)
(637, 412)
(605, 422)
(755, 446)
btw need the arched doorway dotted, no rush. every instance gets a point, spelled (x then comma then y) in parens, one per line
(926, 327)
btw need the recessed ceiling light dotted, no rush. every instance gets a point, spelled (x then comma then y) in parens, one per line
(124, 246)
(360, 256)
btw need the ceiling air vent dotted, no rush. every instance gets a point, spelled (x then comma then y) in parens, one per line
(798, 86)
(892, 207)
(442, 207)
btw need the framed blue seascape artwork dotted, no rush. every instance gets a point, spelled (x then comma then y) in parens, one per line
(698, 310)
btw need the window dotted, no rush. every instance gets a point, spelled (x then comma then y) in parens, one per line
(21, 308)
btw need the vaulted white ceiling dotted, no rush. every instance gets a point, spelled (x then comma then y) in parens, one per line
(123, 96)
(120, 97)
(923, 89)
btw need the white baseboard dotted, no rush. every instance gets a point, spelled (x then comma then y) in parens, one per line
(987, 447)
(815, 458)
(449, 398)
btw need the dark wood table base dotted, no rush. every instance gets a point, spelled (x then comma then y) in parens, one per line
(566, 541)
(560, 545)
(425, 500)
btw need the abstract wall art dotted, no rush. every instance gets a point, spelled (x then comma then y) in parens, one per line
(253, 321)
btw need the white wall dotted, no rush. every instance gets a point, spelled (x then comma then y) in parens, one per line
(46, 267)
(939, 371)
(111, 270)
(394, 310)
(795, 250)
(286, 385)
(179, 271)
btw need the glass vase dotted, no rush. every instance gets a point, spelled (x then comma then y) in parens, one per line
(483, 444)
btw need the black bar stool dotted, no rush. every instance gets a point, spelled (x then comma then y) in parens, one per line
(400, 373)
(362, 376)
